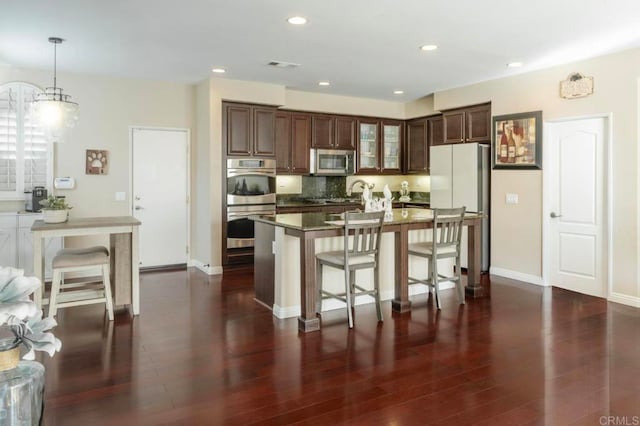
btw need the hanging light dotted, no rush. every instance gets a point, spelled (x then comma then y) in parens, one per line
(54, 111)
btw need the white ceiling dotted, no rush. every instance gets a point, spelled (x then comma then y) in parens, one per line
(364, 48)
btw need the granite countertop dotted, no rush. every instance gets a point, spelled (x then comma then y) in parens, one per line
(318, 221)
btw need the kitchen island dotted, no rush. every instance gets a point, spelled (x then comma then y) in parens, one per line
(286, 245)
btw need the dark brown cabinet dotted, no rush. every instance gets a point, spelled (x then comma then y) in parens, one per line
(249, 130)
(293, 141)
(453, 126)
(478, 121)
(345, 132)
(471, 124)
(283, 142)
(436, 130)
(417, 146)
(322, 131)
(333, 132)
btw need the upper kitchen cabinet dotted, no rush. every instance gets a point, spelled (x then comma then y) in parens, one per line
(471, 124)
(368, 147)
(293, 141)
(322, 131)
(333, 132)
(379, 146)
(436, 130)
(345, 133)
(417, 146)
(391, 146)
(249, 130)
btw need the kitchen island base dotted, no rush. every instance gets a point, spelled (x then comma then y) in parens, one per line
(298, 237)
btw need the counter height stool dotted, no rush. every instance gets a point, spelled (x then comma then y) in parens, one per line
(76, 294)
(361, 251)
(445, 243)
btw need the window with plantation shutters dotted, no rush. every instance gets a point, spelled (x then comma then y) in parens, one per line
(25, 155)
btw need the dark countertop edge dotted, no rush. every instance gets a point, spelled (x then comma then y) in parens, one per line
(319, 205)
(355, 204)
(270, 220)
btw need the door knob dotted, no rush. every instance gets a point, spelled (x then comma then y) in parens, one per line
(139, 208)
(554, 215)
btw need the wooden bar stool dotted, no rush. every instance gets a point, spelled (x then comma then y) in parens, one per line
(76, 294)
(361, 251)
(445, 243)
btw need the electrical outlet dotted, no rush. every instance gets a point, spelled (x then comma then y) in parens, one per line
(512, 198)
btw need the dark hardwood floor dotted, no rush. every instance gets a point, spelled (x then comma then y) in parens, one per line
(202, 352)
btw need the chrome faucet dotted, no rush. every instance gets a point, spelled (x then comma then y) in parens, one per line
(362, 185)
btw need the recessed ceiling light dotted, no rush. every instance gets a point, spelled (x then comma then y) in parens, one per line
(324, 83)
(398, 92)
(297, 20)
(514, 64)
(219, 70)
(428, 47)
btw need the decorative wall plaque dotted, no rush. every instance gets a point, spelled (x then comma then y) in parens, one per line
(576, 86)
(97, 162)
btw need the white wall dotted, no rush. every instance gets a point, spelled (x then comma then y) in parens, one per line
(108, 106)
(516, 230)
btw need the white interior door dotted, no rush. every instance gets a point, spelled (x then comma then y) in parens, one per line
(160, 194)
(575, 200)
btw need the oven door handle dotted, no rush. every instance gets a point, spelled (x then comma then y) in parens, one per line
(235, 216)
(249, 172)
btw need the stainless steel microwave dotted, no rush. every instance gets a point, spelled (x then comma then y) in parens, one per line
(337, 162)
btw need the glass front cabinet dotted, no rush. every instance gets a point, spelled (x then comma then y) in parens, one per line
(391, 146)
(368, 152)
(379, 147)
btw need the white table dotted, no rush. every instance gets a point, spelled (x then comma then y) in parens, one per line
(123, 241)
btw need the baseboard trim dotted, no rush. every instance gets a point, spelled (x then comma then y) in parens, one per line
(286, 312)
(514, 275)
(205, 267)
(624, 299)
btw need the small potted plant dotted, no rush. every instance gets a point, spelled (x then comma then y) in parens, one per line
(55, 209)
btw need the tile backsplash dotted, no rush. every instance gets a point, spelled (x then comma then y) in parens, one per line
(292, 187)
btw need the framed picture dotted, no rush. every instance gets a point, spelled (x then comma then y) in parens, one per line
(517, 141)
(97, 162)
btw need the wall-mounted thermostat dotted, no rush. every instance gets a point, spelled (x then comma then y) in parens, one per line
(64, 183)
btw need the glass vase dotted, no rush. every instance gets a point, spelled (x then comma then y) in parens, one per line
(21, 388)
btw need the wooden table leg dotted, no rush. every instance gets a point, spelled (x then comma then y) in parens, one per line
(308, 320)
(401, 302)
(38, 267)
(135, 273)
(474, 264)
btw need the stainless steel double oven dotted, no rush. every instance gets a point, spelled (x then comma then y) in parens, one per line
(251, 190)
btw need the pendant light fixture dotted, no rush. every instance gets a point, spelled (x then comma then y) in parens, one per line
(54, 111)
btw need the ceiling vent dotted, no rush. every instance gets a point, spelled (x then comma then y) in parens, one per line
(282, 64)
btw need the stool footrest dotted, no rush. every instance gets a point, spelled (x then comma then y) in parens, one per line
(67, 297)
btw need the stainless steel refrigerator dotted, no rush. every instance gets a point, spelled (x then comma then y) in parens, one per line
(460, 177)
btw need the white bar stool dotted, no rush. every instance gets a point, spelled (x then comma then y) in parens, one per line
(76, 294)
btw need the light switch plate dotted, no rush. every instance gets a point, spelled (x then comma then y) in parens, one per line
(512, 198)
(121, 196)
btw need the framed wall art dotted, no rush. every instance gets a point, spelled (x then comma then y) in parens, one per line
(97, 162)
(517, 141)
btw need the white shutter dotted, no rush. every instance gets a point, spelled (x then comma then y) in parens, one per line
(24, 152)
(8, 137)
(36, 148)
